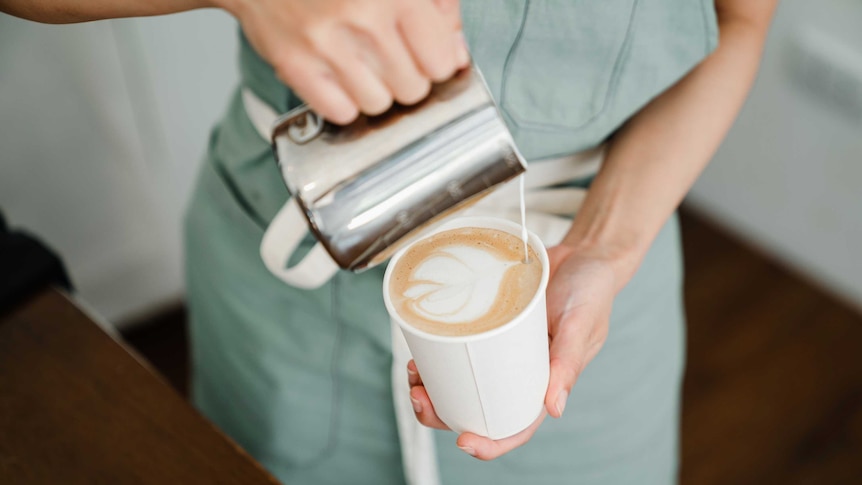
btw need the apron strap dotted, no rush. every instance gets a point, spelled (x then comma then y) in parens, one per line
(283, 236)
(418, 451)
(288, 227)
(261, 115)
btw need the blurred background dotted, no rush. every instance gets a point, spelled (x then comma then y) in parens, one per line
(103, 125)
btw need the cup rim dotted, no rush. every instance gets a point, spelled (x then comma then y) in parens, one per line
(457, 223)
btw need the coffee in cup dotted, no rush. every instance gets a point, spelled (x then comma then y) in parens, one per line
(464, 281)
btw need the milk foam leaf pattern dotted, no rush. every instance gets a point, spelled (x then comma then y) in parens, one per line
(457, 284)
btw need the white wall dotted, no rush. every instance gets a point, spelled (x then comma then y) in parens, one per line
(102, 126)
(789, 176)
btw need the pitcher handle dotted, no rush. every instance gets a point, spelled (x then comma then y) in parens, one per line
(282, 237)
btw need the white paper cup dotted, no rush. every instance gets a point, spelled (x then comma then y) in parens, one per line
(492, 383)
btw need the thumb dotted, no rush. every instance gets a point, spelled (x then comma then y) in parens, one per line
(568, 352)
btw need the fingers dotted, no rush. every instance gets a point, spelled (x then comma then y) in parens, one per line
(413, 377)
(462, 55)
(488, 449)
(472, 444)
(563, 378)
(574, 343)
(572, 348)
(420, 27)
(344, 57)
(451, 10)
(569, 343)
(424, 409)
(316, 83)
(422, 406)
(398, 70)
(359, 80)
(579, 299)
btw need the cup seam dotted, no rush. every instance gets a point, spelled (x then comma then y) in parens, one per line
(478, 392)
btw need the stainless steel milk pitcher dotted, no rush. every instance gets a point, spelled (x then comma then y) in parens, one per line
(366, 188)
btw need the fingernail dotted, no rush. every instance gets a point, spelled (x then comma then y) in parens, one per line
(468, 449)
(462, 54)
(411, 371)
(417, 406)
(561, 402)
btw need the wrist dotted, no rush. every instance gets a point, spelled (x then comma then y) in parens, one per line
(620, 246)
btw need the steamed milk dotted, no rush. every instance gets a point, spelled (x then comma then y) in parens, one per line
(464, 281)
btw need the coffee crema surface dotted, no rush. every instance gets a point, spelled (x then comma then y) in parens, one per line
(464, 281)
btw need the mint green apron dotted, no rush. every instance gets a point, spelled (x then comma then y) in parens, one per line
(300, 378)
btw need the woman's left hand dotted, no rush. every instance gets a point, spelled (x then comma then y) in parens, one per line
(579, 299)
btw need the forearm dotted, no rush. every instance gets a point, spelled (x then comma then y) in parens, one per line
(656, 157)
(71, 11)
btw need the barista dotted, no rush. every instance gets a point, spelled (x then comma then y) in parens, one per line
(301, 378)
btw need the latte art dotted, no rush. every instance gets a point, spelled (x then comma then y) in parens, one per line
(456, 284)
(464, 281)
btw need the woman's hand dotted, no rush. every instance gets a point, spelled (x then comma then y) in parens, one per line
(344, 57)
(580, 294)
(579, 297)
(472, 444)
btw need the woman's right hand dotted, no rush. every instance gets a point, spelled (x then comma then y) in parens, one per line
(344, 57)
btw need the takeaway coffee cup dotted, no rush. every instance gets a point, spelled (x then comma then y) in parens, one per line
(491, 383)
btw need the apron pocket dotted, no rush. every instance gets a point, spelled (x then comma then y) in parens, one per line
(563, 67)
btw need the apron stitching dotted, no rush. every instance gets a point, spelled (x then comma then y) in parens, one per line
(334, 365)
(511, 53)
(332, 442)
(242, 203)
(622, 61)
(614, 79)
(707, 32)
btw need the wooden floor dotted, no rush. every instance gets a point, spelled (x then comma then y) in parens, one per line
(773, 390)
